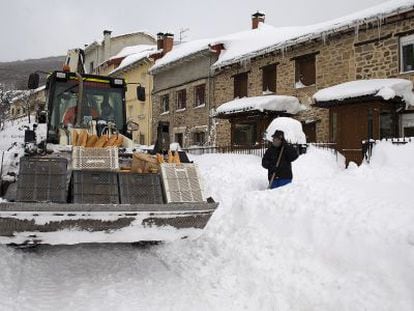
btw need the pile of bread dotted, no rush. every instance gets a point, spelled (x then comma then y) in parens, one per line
(84, 139)
(145, 163)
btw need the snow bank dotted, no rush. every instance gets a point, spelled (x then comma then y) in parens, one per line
(334, 239)
(291, 127)
(384, 88)
(282, 103)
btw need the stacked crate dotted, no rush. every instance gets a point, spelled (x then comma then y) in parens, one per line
(94, 187)
(42, 180)
(140, 188)
(181, 183)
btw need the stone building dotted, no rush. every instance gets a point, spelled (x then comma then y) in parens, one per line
(182, 94)
(365, 45)
(289, 62)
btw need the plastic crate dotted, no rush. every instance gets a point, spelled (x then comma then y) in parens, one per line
(95, 187)
(181, 183)
(42, 180)
(140, 188)
(84, 158)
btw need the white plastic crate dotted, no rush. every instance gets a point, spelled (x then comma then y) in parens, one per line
(181, 183)
(95, 158)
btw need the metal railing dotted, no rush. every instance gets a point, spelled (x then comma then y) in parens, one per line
(368, 145)
(257, 149)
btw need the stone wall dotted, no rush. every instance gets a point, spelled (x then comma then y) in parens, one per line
(370, 53)
(193, 119)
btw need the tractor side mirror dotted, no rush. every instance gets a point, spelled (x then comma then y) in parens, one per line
(33, 82)
(132, 126)
(141, 93)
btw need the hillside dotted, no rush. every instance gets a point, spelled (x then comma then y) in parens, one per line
(14, 75)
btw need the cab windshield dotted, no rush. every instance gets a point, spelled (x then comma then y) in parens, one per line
(100, 102)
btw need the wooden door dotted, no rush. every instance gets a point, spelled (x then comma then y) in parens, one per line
(352, 129)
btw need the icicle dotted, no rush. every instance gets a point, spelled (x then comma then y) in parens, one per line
(323, 35)
(357, 30)
(380, 22)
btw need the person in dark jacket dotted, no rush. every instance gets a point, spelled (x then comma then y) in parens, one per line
(279, 175)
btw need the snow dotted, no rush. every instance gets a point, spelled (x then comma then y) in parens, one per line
(134, 49)
(282, 103)
(334, 239)
(384, 88)
(181, 51)
(292, 129)
(133, 54)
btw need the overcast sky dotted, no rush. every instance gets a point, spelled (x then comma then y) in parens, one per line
(39, 28)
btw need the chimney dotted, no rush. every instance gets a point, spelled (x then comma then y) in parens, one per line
(168, 42)
(257, 18)
(107, 44)
(160, 40)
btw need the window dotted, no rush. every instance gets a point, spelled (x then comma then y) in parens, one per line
(200, 95)
(165, 103)
(386, 124)
(269, 78)
(407, 124)
(305, 71)
(245, 134)
(181, 99)
(179, 138)
(240, 85)
(91, 67)
(407, 53)
(199, 138)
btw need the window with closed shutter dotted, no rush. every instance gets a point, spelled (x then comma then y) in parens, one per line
(240, 85)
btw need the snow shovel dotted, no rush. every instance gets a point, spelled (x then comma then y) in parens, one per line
(277, 165)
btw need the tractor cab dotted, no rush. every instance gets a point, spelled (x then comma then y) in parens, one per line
(83, 101)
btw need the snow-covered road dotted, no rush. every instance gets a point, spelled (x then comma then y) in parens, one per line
(333, 240)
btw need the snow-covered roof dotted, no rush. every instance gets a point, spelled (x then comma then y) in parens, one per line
(291, 128)
(137, 56)
(266, 38)
(100, 41)
(180, 52)
(384, 88)
(282, 103)
(128, 50)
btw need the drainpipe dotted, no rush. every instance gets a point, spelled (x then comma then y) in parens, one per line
(208, 97)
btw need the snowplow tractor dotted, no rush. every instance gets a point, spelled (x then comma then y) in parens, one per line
(86, 181)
